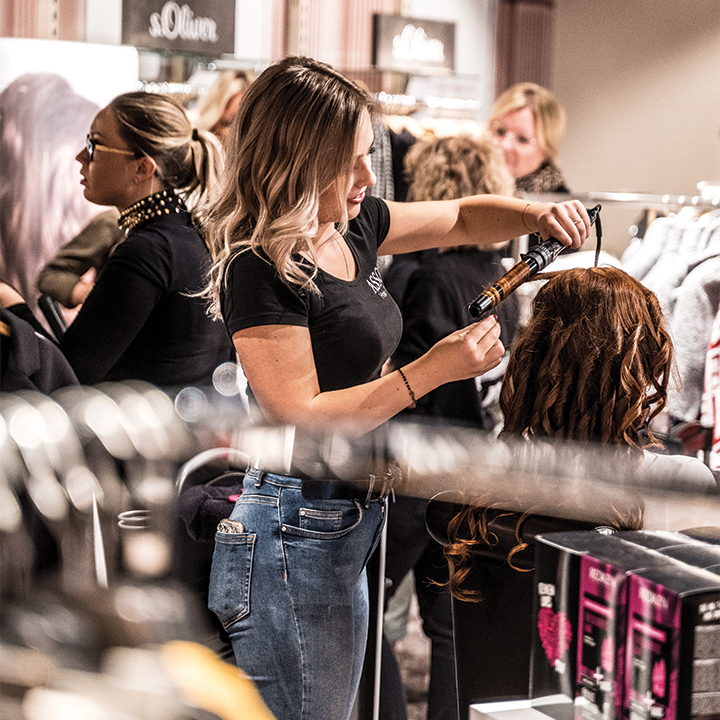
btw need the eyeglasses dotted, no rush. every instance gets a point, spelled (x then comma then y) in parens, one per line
(92, 145)
(501, 133)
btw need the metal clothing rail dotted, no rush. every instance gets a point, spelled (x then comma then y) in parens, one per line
(654, 202)
(707, 199)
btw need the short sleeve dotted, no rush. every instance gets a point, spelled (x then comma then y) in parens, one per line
(255, 295)
(375, 217)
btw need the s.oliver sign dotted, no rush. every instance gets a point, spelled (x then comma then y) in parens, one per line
(412, 45)
(200, 26)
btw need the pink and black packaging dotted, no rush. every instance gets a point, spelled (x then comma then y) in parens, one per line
(672, 653)
(579, 613)
(555, 611)
(602, 619)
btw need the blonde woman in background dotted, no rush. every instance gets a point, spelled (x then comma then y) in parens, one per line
(439, 290)
(69, 276)
(216, 109)
(528, 123)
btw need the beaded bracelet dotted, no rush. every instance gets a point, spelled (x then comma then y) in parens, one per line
(409, 389)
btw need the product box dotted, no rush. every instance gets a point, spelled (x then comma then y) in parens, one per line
(672, 653)
(602, 620)
(704, 556)
(553, 657)
(706, 533)
(578, 634)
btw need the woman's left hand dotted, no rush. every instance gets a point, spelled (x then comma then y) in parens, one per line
(567, 221)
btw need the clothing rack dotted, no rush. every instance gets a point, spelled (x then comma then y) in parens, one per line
(703, 201)
(707, 199)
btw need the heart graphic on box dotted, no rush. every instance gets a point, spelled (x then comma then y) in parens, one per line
(555, 633)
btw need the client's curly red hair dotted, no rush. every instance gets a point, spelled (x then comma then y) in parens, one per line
(593, 364)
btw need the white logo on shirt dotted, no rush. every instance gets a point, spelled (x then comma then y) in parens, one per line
(376, 283)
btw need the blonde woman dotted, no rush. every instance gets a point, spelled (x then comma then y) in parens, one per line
(143, 157)
(438, 291)
(216, 110)
(528, 122)
(295, 242)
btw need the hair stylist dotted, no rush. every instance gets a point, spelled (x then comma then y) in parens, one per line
(295, 243)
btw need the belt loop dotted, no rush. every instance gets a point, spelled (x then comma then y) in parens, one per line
(257, 473)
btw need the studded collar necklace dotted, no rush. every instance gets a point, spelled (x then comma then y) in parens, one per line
(164, 202)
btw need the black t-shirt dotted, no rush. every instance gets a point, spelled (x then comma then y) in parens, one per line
(354, 325)
(139, 322)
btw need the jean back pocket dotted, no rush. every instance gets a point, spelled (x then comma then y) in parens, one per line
(230, 576)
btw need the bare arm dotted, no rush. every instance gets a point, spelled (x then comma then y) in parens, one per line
(487, 220)
(279, 365)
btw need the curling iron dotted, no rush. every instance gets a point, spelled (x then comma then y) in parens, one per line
(530, 263)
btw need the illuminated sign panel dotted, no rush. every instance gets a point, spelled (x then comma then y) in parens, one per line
(412, 45)
(200, 26)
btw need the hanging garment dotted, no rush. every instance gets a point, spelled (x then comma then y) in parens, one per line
(696, 305)
(710, 405)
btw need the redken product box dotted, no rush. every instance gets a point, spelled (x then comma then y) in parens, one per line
(553, 656)
(579, 619)
(706, 533)
(704, 556)
(672, 644)
(602, 619)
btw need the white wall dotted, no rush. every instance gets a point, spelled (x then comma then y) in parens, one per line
(641, 84)
(253, 30)
(97, 72)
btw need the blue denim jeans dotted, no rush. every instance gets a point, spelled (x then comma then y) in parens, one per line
(291, 591)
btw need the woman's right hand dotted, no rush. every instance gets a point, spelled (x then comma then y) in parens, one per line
(466, 353)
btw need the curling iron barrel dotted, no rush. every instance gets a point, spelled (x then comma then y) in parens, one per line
(530, 263)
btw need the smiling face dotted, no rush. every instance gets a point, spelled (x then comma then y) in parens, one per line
(516, 134)
(109, 179)
(351, 188)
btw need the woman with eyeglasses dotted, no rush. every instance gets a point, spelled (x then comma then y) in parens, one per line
(528, 123)
(140, 321)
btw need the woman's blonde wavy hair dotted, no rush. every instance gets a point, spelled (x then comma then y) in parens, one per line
(594, 364)
(292, 138)
(189, 161)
